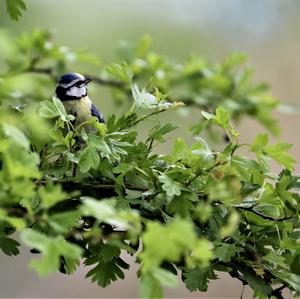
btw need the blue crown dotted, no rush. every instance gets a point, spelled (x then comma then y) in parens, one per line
(70, 77)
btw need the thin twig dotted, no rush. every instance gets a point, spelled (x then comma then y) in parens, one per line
(107, 82)
(46, 71)
(250, 209)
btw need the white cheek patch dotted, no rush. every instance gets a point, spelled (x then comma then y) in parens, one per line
(77, 92)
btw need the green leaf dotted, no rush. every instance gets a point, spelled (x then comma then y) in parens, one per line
(181, 205)
(100, 144)
(70, 265)
(16, 135)
(15, 8)
(143, 99)
(158, 132)
(207, 115)
(225, 252)
(171, 187)
(109, 265)
(202, 253)
(198, 278)
(244, 162)
(166, 242)
(51, 248)
(180, 150)
(278, 152)
(257, 283)
(260, 142)
(222, 117)
(203, 211)
(121, 71)
(88, 159)
(150, 288)
(143, 45)
(51, 194)
(53, 109)
(232, 224)
(64, 222)
(165, 278)
(9, 246)
(105, 211)
(105, 273)
(48, 110)
(295, 265)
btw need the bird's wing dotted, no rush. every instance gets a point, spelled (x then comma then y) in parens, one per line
(96, 113)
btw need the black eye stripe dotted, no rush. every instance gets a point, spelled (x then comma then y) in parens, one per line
(78, 83)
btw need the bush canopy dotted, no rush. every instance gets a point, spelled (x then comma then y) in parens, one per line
(194, 211)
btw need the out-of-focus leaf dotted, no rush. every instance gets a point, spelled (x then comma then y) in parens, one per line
(15, 8)
(51, 248)
(278, 152)
(9, 246)
(16, 135)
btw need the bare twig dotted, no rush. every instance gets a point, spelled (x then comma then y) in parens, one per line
(267, 217)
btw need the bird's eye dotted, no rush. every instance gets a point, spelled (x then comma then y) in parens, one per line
(79, 84)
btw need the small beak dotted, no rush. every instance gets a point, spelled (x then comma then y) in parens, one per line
(87, 80)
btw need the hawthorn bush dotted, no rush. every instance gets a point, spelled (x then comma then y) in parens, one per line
(196, 211)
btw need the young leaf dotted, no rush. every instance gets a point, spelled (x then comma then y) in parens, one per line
(158, 132)
(260, 142)
(121, 71)
(143, 99)
(222, 117)
(279, 152)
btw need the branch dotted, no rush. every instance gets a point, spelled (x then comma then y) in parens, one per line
(91, 189)
(46, 71)
(250, 209)
(107, 82)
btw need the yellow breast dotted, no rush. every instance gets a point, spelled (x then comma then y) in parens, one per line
(81, 109)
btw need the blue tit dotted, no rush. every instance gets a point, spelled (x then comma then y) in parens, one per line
(72, 90)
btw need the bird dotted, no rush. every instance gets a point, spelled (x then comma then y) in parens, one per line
(72, 90)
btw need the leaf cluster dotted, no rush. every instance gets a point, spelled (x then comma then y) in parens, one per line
(35, 59)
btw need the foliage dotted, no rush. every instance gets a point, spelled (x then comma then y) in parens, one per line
(195, 211)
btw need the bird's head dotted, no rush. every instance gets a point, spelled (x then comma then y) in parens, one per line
(72, 86)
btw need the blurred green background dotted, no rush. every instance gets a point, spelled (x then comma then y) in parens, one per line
(268, 31)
